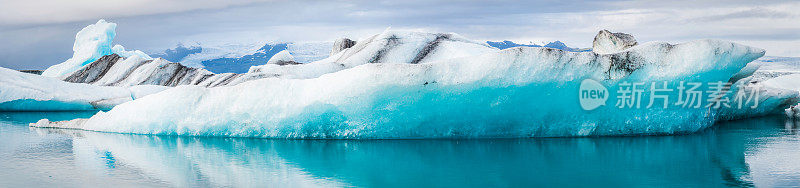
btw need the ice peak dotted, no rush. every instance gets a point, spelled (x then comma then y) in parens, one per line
(607, 42)
(91, 43)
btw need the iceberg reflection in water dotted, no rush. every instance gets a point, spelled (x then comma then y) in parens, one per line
(742, 153)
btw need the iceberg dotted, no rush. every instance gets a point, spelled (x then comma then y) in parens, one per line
(775, 79)
(387, 47)
(394, 47)
(28, 92)
(91, 43)
(606, 42)
(420, 85)
(114, 70)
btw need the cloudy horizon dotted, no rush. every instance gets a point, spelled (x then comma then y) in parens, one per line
(35, 38)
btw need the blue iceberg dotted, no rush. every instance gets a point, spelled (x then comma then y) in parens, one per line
(417, 85)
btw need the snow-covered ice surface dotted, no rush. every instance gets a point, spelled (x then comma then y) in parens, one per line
(780, 76)
(778, 79)
(113, 70)
(28, 92)
(385, 87)
(394, 85)
(387, 47)
(771, 67)
(91, 43)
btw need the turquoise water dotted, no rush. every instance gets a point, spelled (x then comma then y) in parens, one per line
(762, 152)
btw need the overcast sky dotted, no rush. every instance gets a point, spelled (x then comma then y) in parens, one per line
(35, 34)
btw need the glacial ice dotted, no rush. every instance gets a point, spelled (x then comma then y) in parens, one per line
(91, 43)
(387, 47)
(237, 58)
(397, 85)
(780, 77)
(606, 42)
(28, 92)
(775, 78)
(390, 46)
(386, 87)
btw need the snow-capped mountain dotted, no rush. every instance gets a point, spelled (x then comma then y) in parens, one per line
(555, 44)
(177, 54)
(238, 58)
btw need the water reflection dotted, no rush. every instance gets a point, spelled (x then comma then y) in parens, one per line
(756, 152)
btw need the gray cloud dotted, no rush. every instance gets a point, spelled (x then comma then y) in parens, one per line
(757, 12)
(35, 12)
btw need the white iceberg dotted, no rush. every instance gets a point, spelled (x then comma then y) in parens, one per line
(386, 87)
(389, 47)
(28, 92)
(91, 43)
(606, 42)
(775, 79)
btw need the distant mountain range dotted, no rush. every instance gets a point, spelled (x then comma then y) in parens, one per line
(557, 45)
(239, 58)
(177, 54)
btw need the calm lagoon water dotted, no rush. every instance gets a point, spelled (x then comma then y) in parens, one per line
(761, 152)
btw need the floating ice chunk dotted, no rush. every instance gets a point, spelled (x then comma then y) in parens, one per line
(519, 92)
(773, 79)
(606, 42)
(28, 92)
(91, 43)
(793, 112)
